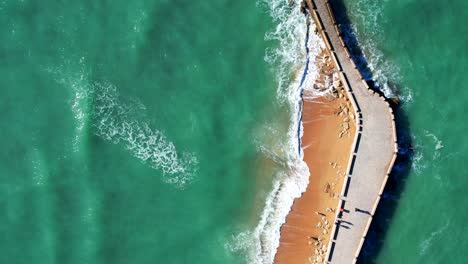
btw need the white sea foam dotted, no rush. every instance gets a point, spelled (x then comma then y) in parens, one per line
(427, 243)
(289, 60)
(315, 45)
(438, 144)
(114, 120)
(261, 243)
(123, 122)
(418, 163)
(80, 109)
(39, 171)
(419, 160)
(289, 57)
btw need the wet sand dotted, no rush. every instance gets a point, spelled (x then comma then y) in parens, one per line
(329, 130)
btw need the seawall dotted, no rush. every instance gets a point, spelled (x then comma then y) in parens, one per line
(373, 152)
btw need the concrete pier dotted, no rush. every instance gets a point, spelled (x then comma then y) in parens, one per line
(374, 150)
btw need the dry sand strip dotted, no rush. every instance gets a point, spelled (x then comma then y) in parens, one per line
(329, 133)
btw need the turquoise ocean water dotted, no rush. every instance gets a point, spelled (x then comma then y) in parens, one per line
(164, 132)
(128, 130)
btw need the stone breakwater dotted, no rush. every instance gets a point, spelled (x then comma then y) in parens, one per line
(373, 152)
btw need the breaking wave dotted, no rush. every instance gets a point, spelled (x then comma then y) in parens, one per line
(294, 63)
(290, 57)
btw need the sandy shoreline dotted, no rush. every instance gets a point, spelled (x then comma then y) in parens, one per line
(328, 136)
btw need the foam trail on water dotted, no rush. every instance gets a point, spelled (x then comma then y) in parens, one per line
(427, 243)
(80, 110)
(121, 121)
(294, 62)
(114, 120)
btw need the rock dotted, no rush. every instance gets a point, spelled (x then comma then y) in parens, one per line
(304, 10)
(324, 248)
(346, 125)
(324, 232)
(395, 100)
(346, 119)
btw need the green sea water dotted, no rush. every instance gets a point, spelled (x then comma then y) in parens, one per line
(418, 50)
(130, 130)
